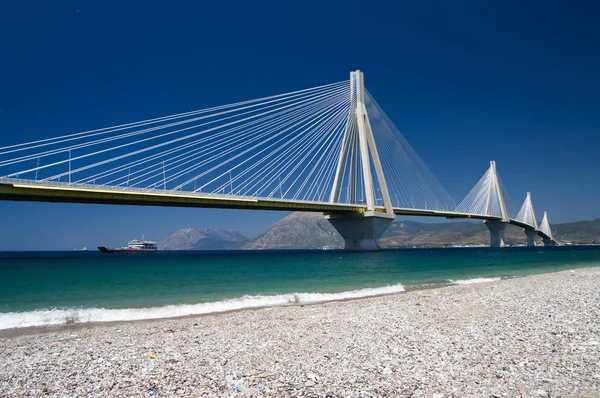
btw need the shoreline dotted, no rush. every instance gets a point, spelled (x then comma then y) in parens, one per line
(532, 336)
(49, 329)
(64, 328)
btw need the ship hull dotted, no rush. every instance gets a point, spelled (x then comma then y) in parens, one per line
(105, 250)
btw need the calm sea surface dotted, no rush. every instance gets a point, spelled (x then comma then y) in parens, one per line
(40, 288)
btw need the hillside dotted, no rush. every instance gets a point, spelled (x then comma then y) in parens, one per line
(298, 231)
(413, 233)
(579, 232)
(203, 239)
(313, 231)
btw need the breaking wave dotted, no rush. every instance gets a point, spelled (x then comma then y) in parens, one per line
(65, 316)
(474, 280)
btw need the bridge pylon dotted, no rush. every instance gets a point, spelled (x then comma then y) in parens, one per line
(486, 200)
(546, 232)
(497, 228)
(527, 216)
(361, 231)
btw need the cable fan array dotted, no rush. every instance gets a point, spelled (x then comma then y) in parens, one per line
(527, 213)
(484, 199)
(284, 146)
(410, 182)
(297, 146)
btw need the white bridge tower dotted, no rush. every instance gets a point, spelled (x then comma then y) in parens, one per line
(361, 232)
(494, 195)
(527, 216)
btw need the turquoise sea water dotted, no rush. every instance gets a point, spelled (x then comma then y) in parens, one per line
(62, 287)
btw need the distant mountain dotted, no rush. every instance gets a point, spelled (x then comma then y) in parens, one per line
(413, 233)
(203, 239)
(586, 232)
(313, 231)
(298, 231)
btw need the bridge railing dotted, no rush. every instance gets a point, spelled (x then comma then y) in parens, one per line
(99, 187)
(122, 189)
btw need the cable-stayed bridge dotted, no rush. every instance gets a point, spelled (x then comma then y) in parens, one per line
(329, 149)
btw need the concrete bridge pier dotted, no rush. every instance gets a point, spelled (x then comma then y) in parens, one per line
(531, 235)
(549, 242)
(361, 231)
(496, 232)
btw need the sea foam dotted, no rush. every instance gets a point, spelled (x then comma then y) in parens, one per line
(11, 320)
(474, 280)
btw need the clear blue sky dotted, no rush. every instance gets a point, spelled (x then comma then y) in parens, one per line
(466, 82)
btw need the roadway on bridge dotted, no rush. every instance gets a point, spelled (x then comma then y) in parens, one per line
(32, 191)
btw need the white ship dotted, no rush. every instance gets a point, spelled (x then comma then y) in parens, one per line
(134, 246)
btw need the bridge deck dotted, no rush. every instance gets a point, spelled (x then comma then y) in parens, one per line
(57, 192)
(25, 190)
(32, 191)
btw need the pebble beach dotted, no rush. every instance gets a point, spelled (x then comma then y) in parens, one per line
(534, 336)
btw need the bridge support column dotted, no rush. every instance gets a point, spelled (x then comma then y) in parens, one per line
(496, 233)
(546, 232)
(361, 232)
(531, 235)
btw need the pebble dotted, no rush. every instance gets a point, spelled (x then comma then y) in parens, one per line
(464, 344)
